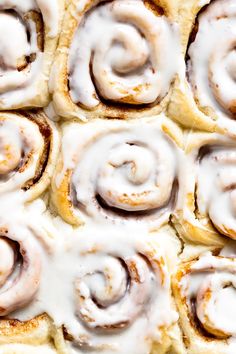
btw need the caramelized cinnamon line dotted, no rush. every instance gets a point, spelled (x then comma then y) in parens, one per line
(37, 18)
(140, 213)
(46, 133)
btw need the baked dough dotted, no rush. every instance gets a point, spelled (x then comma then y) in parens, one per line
(30, 337)
(204, 94)
(100, 218)
(204, 290)
(115, 59)
(29, 145)
(206, 212)
(29, 31)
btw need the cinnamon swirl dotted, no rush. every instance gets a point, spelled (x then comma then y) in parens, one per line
(207, 211)
(115, 59)
(205, 293)
(111, 296)
(204, 98)
(20, 262)
(118, 172)
(29, 31)
(28, 149)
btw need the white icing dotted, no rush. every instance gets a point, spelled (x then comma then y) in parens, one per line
(133, 55)
(50, 112)
(229, 250)
(10, 55)
(50, 12)
(209, 177)
(131, 166)
(127, 276)
(211, 284)
(216, 179)
(212, 60)
(202, 3)
(20, 143)
(17, 76)
(21, 248)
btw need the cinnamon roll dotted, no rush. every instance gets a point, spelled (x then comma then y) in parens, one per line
(110, 295)
(117, 171)
(28, 149)
(205, 97)
(207, 210)
(115, 59)
(29, 33)
(205, 293)
(117, 294)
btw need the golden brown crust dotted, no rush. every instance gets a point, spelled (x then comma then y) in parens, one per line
(35, 331)
(34, 336)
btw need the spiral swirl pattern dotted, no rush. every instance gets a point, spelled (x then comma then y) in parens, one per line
(20, 269)
(211, 64)
(24, 29)
(123, 287)
(118, 171)
(208, 287)
(26, 145)
(129, 285)
(216, 188)
(120, 288)
(134, 63)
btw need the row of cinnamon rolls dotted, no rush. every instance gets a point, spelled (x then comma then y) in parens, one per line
(147, 171)
(152, 57)
(117, 172)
